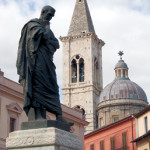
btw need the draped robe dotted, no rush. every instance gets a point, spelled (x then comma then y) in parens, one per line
(36, 68)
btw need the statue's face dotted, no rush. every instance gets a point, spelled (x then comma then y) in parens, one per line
(47, 15)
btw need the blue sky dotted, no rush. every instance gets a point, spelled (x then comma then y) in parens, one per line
(121, 24)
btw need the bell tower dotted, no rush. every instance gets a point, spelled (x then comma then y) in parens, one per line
(82, 64)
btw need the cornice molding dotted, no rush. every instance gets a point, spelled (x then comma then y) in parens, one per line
(73, 118)
(84, 35)
(120, 104)
(11, 92)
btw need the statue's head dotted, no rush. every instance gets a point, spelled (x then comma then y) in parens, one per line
(47, 13)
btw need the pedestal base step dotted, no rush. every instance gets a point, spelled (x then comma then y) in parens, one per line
(45, 124)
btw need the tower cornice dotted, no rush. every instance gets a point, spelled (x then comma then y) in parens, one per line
(82, 36)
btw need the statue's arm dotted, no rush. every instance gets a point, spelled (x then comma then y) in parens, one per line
(52, 41)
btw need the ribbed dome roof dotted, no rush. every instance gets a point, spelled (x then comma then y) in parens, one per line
(121, 64)
(122, 89)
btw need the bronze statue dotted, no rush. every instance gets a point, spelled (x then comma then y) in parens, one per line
(36, 69)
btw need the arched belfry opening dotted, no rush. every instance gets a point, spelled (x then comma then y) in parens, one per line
(77, 69)
(74, 71)
(81, 70)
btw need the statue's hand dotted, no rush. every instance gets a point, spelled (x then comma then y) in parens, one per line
(21, 80)
(54, 43)
(46, 35)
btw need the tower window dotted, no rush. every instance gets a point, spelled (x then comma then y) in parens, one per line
(77, 56)
(80, 0)
(81, 70)
(74, 71)
(83, 32)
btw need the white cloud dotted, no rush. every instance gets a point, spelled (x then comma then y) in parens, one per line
(122, 24)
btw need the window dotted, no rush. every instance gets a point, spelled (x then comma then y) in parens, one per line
(115, 118)
(124, 73)
(92, 147)
(14, 110)
(116, 72)
(145, 124)
(12, 124)
(100, 122)
(74, 71)
(96, 72)
(101, 145)
(119, 73)
(112, 143)
(77, 69)
(124, 141)
(81, 70)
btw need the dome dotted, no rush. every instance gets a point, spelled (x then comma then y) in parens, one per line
(121, 98)
(121, 64)
(122, 89)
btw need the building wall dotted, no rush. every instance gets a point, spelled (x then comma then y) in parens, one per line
(143, 129)
(144, 144)
(126, 125)
(6, 114)
(141, 124)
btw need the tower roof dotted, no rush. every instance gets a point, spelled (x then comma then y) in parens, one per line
(81, 20)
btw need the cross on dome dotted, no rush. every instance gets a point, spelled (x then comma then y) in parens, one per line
(120, 54)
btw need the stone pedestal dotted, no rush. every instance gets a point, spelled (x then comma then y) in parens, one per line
(44, 124)
(43, 139)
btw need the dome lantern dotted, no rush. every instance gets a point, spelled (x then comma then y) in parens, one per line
(121, 68)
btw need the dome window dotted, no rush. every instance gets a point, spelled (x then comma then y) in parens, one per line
(115, 118)
(119, 73)
(100, 122)
(124, 73)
